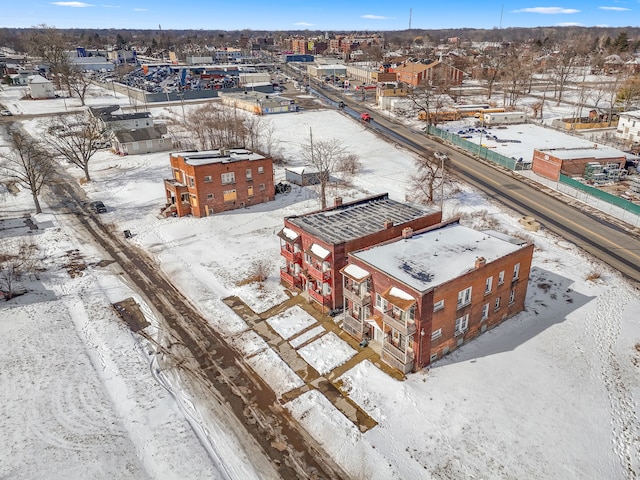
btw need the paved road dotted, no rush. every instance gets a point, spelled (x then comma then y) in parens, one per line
(614, 243)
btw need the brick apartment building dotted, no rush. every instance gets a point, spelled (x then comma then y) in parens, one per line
(429, 292)
(315, 245)
(215, 181)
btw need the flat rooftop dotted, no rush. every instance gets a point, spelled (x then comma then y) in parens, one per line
(601, 152)
(218, 156)
(433, 258)
(358, 219)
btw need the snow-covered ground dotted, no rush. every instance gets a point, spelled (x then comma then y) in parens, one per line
(552, 393)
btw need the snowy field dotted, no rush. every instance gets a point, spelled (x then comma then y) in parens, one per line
(552, 393)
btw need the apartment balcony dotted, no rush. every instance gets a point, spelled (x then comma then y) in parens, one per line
(295, 257)
(402, 326)
(356, 297)
(319, 297)
(397, 358)
(289, 278)
(353, 326)
(318, 274)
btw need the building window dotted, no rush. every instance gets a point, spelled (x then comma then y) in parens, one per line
(464, 297)
(260, 169)
(250, 191)
(207, 179)
(497, 306)
(192, 182)
(209, 196)
(516, 271)
(381, 303)
(512, 296)
(149, 143)
(433, 357)
(436, 334)
(230, 195)
(439, 305)
(249, 176)
(462, 324)
(262, 187)
(228, 178)
(501, 278)
(487, 285)
(485, 312)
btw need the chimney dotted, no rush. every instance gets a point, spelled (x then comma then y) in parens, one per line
(480, 262)
(407, 232)
(388, 224)
(337, 201)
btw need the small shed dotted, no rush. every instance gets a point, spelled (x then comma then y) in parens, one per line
(302, 176)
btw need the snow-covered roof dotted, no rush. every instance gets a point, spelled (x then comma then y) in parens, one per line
(357, 219)
(38, 79)
(319, 251)
(432, 258)
(217, 156)
(290, 234)
(302, 170)
(355, 272)
(595, 151)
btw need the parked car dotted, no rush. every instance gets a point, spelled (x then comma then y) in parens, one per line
(440, 155)
(98, 207)
(5, 113)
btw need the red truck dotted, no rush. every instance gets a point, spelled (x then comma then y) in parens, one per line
(365, 117)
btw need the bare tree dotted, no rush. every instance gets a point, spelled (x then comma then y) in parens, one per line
(325, 156)
(17, 258)
(428, 177)
(50, 44)
(564, 64)
(78, 83)
(74, 138)
(628, 94)
(28, 164)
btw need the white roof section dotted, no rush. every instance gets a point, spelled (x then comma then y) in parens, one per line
(38, 79)
(635, 114)
(523, 139)
(302, 170)
(355, 272)
(319, 251)
(217, 156)
(290, 234)
(433, 258)
(595, 151)
(396, 292)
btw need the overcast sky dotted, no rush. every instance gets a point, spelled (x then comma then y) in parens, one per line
(323, 15)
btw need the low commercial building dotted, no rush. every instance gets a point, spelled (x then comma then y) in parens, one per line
(259, 103)
(214, 181)
(551, 162)
(428, 292)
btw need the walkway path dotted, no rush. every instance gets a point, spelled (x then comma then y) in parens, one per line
(328, 384)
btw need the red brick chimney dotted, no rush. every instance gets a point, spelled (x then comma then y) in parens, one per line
(337, 201)
(388, 224)
(407, 232)
(480, 262)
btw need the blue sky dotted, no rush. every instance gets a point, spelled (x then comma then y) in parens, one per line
(315, 15)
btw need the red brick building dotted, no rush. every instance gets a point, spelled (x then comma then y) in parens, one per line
(429, 292)
(551, 162)
(215, 181)
(315, 245)
(437, 73)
